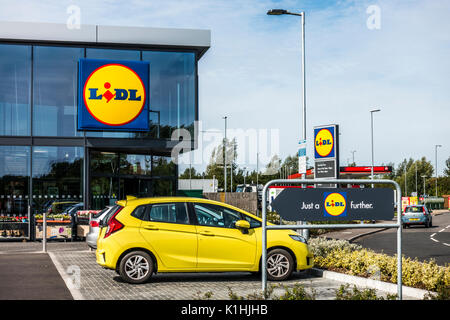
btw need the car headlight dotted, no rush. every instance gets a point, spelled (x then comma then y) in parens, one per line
(297, 237)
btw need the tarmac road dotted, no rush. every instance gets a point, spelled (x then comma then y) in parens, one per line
(417, 241)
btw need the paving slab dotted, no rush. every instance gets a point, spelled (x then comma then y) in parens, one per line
(97, 283)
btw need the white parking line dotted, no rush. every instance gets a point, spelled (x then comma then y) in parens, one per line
(432, 235)
(446, 244)
(434, 240)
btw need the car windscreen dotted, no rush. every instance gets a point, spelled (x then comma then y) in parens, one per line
(414, 209)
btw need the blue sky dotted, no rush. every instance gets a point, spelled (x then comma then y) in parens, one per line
(252, 73)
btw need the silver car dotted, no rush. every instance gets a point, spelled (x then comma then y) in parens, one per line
(94, 229)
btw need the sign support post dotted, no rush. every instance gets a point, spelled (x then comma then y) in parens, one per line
(265, 227)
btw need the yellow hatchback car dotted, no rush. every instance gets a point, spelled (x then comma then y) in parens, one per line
(175, 234)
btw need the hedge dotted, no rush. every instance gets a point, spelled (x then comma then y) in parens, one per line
(342, 256)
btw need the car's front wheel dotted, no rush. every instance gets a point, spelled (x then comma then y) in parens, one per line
(280, 265)
(136, 267)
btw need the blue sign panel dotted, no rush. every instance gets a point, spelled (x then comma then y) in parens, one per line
(325, 142)
(113, 95)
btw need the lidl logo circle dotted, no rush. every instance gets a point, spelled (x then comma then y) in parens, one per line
(324, 142)
(335, 204)
(114, 94)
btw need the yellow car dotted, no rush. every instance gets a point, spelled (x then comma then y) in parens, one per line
(175, 234)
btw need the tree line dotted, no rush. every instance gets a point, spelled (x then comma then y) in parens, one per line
(409, 170)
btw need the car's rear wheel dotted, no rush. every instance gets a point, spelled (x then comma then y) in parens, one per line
(280, 265)
(136, 267)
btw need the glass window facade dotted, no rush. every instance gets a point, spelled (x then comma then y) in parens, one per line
(57, 175)
(118, 175)
(14, 180)
(15, 90)
(172, 91)
(55, 83)
(45, 87)
(38, 107)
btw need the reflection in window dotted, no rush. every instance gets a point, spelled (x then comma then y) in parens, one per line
(163, 188)
(172, 91)
(135, 164)
(104, 162)
(14, 179)
(103, 192)
(169, 212)
(163, 166)
(216, 216)
(110, 54)
(15, 90)
(55, 82)
(57, 175)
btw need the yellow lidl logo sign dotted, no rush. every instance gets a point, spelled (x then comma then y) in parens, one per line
(324, 142)
(114, 95)
(335, 204)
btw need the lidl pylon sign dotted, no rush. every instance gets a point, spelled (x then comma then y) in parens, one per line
(113, 95)
(326, 152)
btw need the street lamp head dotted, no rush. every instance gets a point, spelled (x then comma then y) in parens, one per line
(375, 110)
(424, 177)
(438, 145)
(276, 12)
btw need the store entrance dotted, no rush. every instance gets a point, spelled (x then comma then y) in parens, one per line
(114, 175)
(138, 187)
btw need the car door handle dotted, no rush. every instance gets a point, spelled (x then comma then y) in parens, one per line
(206, 233)
(150, 228)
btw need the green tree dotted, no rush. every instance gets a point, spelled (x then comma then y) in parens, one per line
(217, 160)
(424, 168)
(193, 174)
(447, 169)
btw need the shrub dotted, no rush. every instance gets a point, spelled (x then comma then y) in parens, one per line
(343, 293)
(339, 255)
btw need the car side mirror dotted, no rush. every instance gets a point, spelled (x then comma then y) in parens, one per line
(242, 224)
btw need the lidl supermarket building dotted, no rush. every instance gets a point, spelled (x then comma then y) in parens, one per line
(45, 156)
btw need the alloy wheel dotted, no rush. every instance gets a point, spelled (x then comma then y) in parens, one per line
(137, 267)
(278, 265)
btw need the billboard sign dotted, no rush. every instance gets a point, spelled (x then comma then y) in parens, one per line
(324, 204)
(113, 95)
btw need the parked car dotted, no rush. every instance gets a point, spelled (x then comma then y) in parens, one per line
(417, 214)
(94, 222)
(72, 210)
(140, 237)
(57, 207)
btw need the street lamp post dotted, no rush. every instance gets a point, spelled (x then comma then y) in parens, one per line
(277, 12)
(353, 156)
(424, 177)
(225, 159)
(415, 163)
(371, 130)
(435, 154)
